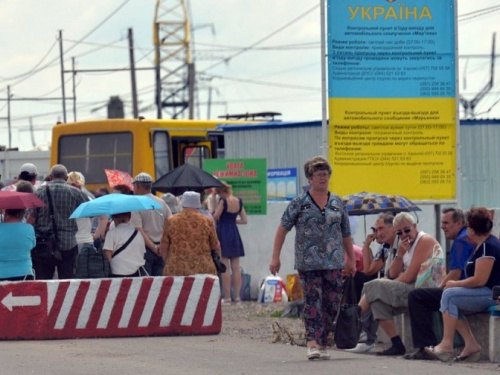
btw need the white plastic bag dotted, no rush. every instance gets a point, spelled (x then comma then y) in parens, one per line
(272, 289)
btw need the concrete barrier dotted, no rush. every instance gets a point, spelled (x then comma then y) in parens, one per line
(485, 326)
(142, 306)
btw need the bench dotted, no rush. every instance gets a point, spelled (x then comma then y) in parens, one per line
(485, 326)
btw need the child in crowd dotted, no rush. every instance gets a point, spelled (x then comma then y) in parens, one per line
(124, 248)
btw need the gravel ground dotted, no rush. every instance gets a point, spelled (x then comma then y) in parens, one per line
(263, 322)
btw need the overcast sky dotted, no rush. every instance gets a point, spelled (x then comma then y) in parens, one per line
(262, 55)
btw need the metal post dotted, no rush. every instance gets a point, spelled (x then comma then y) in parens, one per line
(437, 215)
(63, 91)
(32, 133)
(8, 117)
(74, 87)
(324, 87)
(158, 72)
(191, 90)
(135, 110)
(209, 100)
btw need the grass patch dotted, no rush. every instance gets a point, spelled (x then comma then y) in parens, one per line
(276, 314)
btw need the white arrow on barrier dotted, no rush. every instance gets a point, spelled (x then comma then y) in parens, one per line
(11, 301)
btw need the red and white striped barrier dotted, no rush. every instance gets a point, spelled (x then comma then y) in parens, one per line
(139, 306)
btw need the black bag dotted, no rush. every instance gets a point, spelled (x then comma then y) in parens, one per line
(495, 292)
(348, 321)
(221, 267)
(91, 264)
(47, 249)
(44, 249)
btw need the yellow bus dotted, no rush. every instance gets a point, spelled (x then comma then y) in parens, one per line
(134, 146)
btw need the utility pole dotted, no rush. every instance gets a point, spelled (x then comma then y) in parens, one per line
(8, 117)
(135, 110)
(191, 79)
(32, 133)
(158, 73)
(63, 91)
(74, 87)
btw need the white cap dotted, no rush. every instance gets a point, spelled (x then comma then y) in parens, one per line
(28, 168)
(191, 199)
(143, 177)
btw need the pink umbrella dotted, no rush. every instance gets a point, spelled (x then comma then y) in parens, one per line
(19, 200)
(117, 177)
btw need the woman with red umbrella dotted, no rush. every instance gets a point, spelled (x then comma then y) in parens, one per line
(17, 238)
(16, 241)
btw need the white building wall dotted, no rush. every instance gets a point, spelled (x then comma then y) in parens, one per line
(11, 162)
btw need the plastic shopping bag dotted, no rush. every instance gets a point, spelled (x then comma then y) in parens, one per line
(432, 271)
(272, 289)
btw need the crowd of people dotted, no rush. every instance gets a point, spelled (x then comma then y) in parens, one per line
(390, 282)
(176, 239)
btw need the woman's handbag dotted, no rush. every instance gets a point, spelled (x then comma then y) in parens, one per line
(220, 267)
(432, 271)
(348, 320)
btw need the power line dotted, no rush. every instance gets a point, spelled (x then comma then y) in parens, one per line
(266, 83)
(220, 47)
(240, 50)
(477, 13)
(30, 73)
(95, 28)
(34, 69)
(226, 60)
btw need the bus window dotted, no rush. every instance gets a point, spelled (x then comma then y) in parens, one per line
(195, 155)
(161, 153)
(90, 154)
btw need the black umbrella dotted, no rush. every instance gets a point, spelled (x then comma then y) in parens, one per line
(185, 178)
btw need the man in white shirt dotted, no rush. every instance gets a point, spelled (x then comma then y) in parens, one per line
(150, 223)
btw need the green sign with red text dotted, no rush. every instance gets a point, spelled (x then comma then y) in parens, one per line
(248, 178)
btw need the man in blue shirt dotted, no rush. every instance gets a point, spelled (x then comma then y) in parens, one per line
(423, 302)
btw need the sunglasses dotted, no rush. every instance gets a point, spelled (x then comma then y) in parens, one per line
(406, 231)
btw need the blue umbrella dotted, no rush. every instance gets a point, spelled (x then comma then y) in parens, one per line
(111, 204)
(372, 203)
(364, 203)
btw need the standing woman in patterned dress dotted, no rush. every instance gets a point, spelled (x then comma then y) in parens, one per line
(322, 235)
(229, 213)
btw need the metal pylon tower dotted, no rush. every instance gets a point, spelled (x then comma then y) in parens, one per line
(174, 66)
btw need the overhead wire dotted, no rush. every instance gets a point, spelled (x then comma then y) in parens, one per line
(36, 69)
(98, 26)
(223, 48)
(240, 50)
(269, 36)
(266, 83)
(478, 13)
